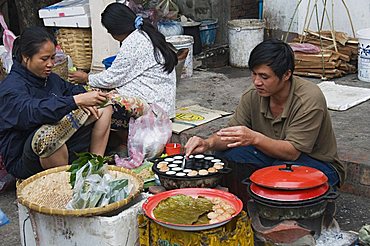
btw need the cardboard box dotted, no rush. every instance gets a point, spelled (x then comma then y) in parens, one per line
(194, 115)
(65, 8)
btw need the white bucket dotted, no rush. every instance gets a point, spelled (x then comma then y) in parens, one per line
(244, 35)
(363, 36)
(180, 42)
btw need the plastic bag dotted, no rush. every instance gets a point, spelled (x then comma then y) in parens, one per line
(60, 56)
(167, 9)
(136, 8)
(147, 137)
(3, 219)
(95, 190)
(8, 39)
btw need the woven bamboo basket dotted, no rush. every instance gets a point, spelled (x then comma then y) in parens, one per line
(2, 71)
(77, 43)
(49, 191)
(62, 69)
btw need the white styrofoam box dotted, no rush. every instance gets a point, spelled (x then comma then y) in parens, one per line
(46, 230)
(82, 21)
(65, 8)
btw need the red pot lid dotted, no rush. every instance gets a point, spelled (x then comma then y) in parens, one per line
(289, 195)
(288, 177)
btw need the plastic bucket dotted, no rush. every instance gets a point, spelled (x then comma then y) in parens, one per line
(363, 36)
(180, 42)
(108, 61)
(208, 30)
(244, 35)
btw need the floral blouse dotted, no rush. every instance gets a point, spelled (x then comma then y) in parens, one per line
(136, 73)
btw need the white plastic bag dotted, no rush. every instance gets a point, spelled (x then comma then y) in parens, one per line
(147, 137)
(98, 189)
(167, 9)
(8, 39)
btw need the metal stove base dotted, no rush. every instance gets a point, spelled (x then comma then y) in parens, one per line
(290, 232)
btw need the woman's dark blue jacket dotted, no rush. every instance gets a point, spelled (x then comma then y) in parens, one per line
(26, 103)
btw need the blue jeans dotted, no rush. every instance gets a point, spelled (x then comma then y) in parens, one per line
(251, 155)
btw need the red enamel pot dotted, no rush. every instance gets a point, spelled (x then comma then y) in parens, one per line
(289, 191)
(288, 184)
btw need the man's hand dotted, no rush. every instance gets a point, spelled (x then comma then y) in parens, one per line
(90, 99)
(237, 136)
(196, 145)
(79, 77)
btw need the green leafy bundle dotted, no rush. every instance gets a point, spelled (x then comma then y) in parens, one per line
(96, 161)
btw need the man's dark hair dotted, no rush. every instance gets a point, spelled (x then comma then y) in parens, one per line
(30, 41)
(275, 54)
(118, 19)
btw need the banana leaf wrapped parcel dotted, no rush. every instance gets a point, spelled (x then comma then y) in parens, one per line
(93, 186)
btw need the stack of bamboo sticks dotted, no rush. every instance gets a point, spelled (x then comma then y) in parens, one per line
(337, 55)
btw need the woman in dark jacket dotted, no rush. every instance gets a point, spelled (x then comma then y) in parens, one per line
(32, 95)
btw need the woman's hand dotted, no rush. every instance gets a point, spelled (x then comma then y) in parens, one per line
(79, 77)
(93, 111)
(90, 99)
(238, 136)
(196, 145)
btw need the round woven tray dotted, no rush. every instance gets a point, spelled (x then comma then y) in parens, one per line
(48, 192)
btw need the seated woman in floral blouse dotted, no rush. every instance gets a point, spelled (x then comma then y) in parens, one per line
(143, 68)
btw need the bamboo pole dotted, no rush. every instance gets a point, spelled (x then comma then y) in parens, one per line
(349, 16)
(291, 21)
(305, 22)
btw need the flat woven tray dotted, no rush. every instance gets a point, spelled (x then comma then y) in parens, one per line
(48, 192)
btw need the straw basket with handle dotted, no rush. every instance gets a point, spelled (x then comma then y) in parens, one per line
(48, 192)
(77, 43)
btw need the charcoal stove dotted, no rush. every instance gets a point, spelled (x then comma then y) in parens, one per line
(290, 203)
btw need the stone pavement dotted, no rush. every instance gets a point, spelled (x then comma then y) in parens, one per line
(221, 89)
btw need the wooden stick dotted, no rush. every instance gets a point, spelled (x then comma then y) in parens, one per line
(327, 38)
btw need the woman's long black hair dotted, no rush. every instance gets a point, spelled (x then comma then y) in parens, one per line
(30, 41)
(119, 19)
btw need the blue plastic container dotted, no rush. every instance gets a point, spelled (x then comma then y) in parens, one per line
(108, 61)
(208, 30)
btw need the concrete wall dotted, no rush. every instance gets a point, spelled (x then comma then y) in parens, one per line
(279, 13)
(208, 9)
(244, 9)
(223, 10)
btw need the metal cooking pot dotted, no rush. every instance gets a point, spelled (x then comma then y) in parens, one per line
(289, 192)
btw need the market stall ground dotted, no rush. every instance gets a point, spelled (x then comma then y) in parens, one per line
(221, 89)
